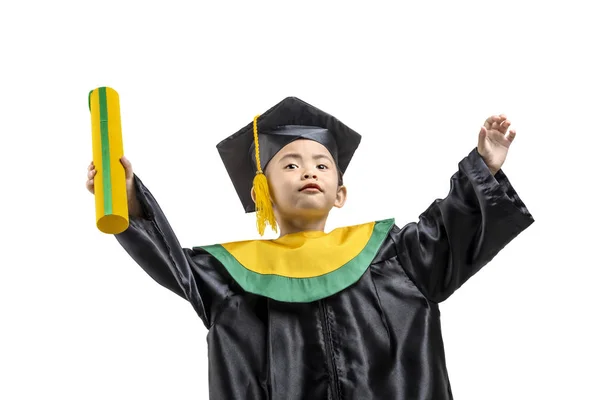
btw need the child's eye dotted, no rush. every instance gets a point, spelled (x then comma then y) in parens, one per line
(322, 166)
(291, 166)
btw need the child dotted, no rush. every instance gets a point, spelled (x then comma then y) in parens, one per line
(350, 314)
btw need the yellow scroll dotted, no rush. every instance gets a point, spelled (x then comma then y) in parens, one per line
(112, 215)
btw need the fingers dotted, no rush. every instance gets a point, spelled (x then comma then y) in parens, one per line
(91, 174)
(490, 122)
(498, 122)
(511, 135)
(494, 122)
(504, 125)
(89, 184)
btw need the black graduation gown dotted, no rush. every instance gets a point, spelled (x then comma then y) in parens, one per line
(380, 338)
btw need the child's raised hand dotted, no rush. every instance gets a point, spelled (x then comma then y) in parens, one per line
(494, 142)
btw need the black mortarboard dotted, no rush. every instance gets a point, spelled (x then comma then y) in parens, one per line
(283, 123)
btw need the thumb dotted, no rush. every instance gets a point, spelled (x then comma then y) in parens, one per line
(128, 168)
(482, 135)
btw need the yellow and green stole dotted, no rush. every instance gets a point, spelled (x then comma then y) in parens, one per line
(305, 266)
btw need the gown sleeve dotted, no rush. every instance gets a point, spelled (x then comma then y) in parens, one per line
(458, 235)
(152, 244)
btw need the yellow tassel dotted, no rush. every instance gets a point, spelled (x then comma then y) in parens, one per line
(264, 208)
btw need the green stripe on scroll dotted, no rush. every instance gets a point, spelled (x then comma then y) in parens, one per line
(105, 146)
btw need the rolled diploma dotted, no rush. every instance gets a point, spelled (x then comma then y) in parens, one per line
(112, 215)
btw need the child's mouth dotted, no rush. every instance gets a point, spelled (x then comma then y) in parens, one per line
(311, 188)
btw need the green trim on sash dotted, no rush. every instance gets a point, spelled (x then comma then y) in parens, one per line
(299, 290)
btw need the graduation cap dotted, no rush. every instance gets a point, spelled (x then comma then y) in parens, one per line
(247, 152)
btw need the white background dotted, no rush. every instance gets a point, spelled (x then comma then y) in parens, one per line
(80, 320)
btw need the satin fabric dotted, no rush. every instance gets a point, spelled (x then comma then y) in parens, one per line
(272, 141)
(380, 338)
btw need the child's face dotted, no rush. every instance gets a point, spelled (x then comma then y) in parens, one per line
(303, 180)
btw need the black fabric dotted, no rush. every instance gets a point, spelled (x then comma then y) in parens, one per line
(288, 120)
(379, 339)
(271, 142)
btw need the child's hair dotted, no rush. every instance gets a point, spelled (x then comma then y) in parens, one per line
(340, 178)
